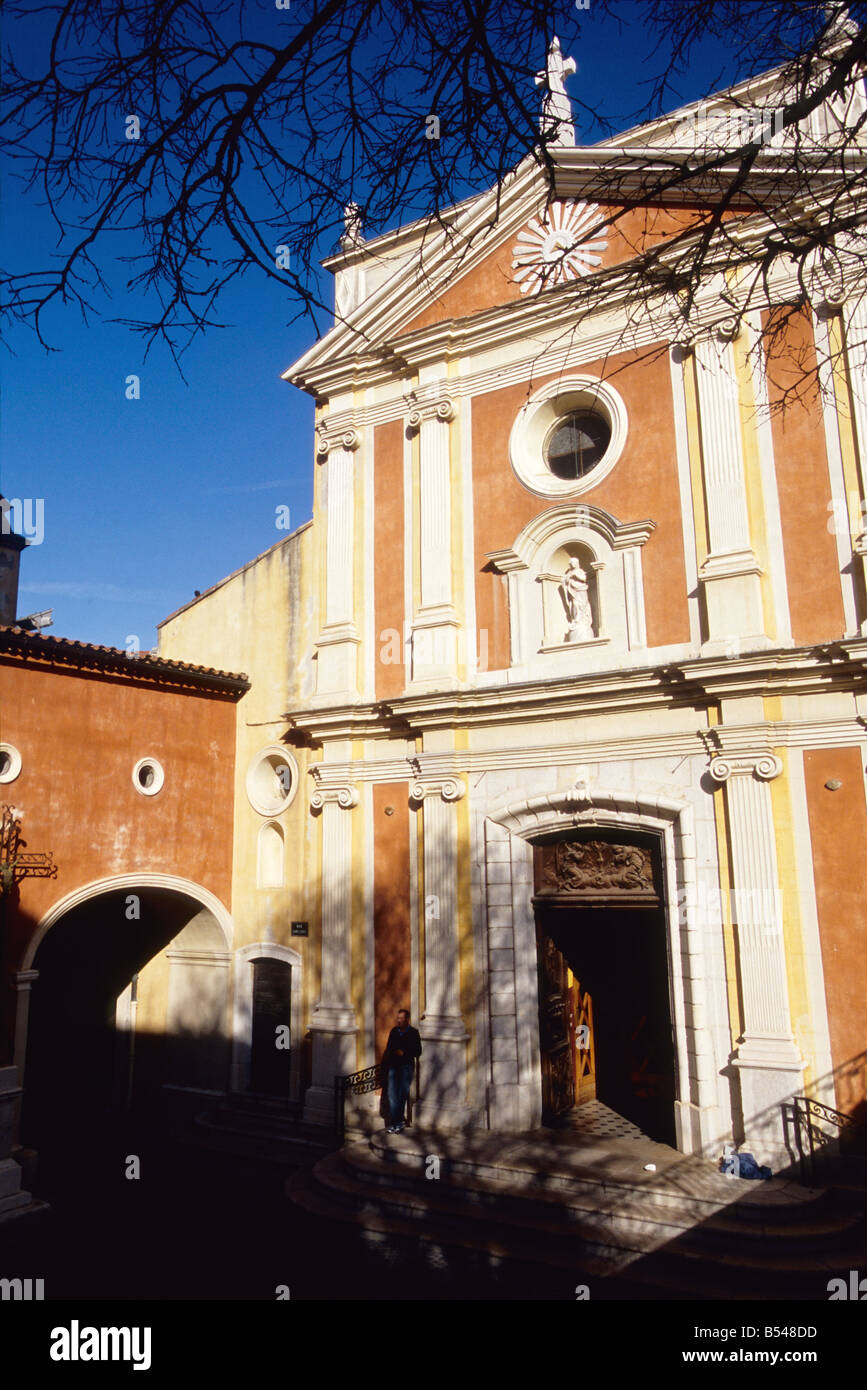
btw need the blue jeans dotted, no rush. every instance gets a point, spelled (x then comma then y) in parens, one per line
(398, 1088)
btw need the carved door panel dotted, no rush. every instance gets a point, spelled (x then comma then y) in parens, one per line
(583, 1041)
(558, 1079)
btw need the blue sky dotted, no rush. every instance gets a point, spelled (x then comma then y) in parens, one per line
(147, 500)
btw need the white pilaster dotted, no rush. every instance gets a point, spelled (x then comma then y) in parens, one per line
(333, 1024)
(855, 324)
(434, 628)
(443, 1097)
(767, 1059)
(338, 641)
(730, 575)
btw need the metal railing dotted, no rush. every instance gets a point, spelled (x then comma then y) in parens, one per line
(808, 1115)
(360, 1083)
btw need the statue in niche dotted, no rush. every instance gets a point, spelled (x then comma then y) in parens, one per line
(575, 592)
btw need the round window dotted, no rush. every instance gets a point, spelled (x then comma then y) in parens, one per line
(576, 444)
(272, 781)
(568, 436)
(10, 762)
(148, 776)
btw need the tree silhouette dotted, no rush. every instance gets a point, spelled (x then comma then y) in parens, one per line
(210, 139)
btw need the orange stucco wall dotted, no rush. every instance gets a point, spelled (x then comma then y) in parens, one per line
(388, 541)
(838, 860)
(79, 737)
(643, 485)
(631, 231)
(391, 924)
(812, 572)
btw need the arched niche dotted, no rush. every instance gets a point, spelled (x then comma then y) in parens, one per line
(608, 553)
(571, 609)
(270, 856)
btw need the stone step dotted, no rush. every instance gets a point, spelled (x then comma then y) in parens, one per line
(279, 1140)
(818, 1218)
(762, 1240)
(428, 1230)
(625, 1224)
(685, 1186)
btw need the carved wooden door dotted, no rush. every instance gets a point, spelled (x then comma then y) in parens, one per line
(558, 1078)
(583, 1041)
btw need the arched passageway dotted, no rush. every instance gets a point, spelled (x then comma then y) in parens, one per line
(130, 999)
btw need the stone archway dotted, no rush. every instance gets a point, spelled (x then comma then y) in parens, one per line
(123, 1000)
(604, 1005)
(515, 1089)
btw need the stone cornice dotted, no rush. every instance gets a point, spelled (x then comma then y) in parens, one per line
(840, 666)
(739, 747)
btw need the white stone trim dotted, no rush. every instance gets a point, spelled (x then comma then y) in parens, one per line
(118, 883)
(242, 1013)
(158, 780)
(836, 476)
(722, 453)
(768, 473)
(615, 548)
(14, 767)
(275, 805)
(846, 732)
(509, 832)
(538, 416)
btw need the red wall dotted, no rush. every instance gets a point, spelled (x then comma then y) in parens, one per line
(391, 925)
(79, 737)
(642, 485)
(838, 830)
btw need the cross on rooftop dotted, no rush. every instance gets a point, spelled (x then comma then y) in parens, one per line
(556, 106)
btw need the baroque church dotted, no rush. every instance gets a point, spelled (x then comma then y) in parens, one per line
(553, 723)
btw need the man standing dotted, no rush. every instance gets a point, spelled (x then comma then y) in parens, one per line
(398, 1062)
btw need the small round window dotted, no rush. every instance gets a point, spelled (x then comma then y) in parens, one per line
(576, 444)
(10, 762)
(148, 776)
(272, 781)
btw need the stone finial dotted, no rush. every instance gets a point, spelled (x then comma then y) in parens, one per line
(556, 121)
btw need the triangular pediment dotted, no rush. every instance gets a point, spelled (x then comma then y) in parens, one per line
(595, 207)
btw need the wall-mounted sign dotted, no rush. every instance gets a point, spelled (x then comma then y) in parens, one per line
(299, 928)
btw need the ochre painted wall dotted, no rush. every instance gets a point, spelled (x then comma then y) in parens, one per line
(812, 572)
(838, 830)
(492, 281)
(642, 485)
(389, 555)
(391, 921)
(79, 737)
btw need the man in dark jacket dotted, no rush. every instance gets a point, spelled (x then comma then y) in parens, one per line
(398, 1062)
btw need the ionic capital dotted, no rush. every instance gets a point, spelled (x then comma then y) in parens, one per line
(763, 766)
(343, 794)
(441, 408)
(329, 437)
(449, 788)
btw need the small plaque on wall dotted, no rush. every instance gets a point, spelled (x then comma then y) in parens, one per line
(299, 928)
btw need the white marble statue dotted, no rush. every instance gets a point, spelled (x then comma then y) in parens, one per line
(575, 591)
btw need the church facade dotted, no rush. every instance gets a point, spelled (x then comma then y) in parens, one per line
(556, 729)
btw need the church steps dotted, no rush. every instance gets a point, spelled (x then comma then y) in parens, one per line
(696, 1193)
(434, 1226)
(275, 1136)
(594, 1207)
(666, 1249)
